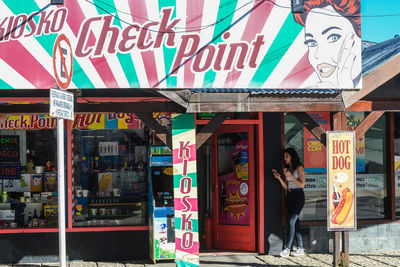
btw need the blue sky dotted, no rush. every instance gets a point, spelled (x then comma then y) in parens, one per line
(378, 29)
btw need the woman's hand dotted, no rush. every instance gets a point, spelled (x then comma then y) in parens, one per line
(346, 60)
(276, 174)
(289, 175)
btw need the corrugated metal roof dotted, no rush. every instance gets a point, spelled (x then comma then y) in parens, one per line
(271, 92)
(375, 55)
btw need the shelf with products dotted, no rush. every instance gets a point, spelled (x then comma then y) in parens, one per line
(115, 204)
(115, 217)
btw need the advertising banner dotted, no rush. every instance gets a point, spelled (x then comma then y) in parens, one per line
(234, 187)
(341, 181)
(81, 121)
(185, 190)
(314, 150)
(179, 44)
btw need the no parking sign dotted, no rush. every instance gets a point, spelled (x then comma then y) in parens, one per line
(62, 61)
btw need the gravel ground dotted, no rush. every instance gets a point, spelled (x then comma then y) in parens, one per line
(360, 259)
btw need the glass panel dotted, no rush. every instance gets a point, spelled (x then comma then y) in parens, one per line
(371, 184)
(397, 160)
(315, 187)
(110, 177)
(371, 174)
(28, 177)
(233, 178)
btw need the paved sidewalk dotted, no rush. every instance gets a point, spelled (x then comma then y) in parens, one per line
(250, 260)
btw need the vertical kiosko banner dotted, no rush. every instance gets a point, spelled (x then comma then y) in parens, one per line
(341, 210)
(185, 190)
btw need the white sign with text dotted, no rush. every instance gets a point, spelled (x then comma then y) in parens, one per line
(61, 104)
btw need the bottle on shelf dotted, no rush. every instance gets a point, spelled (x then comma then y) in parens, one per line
(85, 165)
(96, 163)
(30, 220)
(41, 219)
(91, 163)
(35, 219)
(4, 196)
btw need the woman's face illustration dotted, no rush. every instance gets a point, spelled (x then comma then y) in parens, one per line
(325, 33)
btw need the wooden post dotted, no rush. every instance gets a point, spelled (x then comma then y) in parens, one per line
(341, 239)
(345, 248)
(336, 249)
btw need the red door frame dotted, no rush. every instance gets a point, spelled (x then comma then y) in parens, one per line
(246, 231)
(259, 173)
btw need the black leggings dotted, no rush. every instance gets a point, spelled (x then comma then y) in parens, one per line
(295, 203)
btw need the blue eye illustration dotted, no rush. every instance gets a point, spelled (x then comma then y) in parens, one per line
(311, 43)
(334, 38)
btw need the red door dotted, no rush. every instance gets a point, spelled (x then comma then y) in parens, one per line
(233, 184)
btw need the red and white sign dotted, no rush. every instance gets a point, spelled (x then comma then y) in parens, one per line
(62, 61)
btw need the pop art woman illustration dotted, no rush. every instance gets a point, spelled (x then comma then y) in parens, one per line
(333, 36)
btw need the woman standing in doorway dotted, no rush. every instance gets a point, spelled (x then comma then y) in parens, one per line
(293, 181)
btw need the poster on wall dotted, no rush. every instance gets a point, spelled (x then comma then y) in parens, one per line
(314, 150)
(234, 205)
(341, 181)
(189, 44)
(353, 120)
(21, 185)
(234, 200)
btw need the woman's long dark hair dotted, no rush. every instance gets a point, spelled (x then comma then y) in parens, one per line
(294, 158)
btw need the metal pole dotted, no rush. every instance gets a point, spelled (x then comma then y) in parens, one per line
(61, 193)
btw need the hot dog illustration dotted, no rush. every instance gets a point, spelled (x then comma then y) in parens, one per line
(236, 205)
(342, 210)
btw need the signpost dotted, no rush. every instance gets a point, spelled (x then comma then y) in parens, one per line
(62, 107)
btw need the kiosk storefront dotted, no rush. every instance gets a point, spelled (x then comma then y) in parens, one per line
(141, 57)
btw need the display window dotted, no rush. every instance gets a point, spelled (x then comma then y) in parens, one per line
(370, 166)
(110, 177)
(28, 177)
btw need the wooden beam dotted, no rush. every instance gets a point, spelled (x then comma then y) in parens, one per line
(368, 122)
(267, 106)
(210, 128)
(311, 125)
(175, 97)
(339, 121)
(95, 108)
(373, 80)
(361, 106)
(161, 132)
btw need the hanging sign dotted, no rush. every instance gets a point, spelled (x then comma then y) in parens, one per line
(341, 182)
(61, 104)
(10, 170)
(185, 190)
(9, 148)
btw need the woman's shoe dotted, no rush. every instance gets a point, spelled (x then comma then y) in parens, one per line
(285, 253)
(299, 252)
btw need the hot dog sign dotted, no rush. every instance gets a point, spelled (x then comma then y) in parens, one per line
(341, 210)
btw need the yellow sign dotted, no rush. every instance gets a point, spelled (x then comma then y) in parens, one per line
(341, 181)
